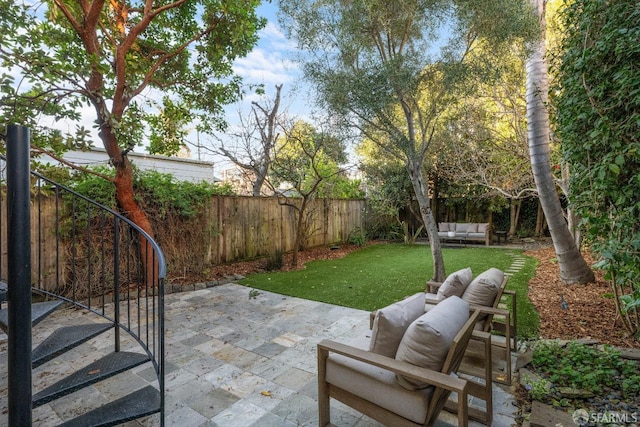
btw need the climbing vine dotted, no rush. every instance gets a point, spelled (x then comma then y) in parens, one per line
(598, 122)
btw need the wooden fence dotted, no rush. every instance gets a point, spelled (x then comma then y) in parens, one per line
(250, 227)
(228, 229)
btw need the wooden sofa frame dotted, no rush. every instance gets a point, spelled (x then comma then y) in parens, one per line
(443, 382)
(508, 329)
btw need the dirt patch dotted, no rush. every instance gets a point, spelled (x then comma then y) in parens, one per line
(260, 265)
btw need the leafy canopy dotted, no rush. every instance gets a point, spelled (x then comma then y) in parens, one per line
(309, 162)
(147, 68)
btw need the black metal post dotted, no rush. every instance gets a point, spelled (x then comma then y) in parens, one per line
(19, 275)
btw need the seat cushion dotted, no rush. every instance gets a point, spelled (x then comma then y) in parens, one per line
(392, 321)
(378, 386)
(476, 235)
(427, 340)
(484, 288)
(455, 284)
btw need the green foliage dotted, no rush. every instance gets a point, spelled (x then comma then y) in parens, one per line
(538, 389)
(64, 57)
(96, 188)
(409, 237)
(160, 193)
(309, 161)
(597, 119)
(586, 367)
(358, 237)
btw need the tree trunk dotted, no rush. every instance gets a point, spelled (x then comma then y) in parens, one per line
(421, 188)
(573, 268)
(539, 220)
(127, 203)
(514, 216)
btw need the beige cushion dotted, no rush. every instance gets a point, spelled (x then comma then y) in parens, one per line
(484, 288)
(455, 283)
(482, 228)
(391, 322)
(472, 228)
(378, 386)
(427, 340)
(443, 226)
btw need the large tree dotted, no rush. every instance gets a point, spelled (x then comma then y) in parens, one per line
(125, 59)
(306, 160)
(253, 146)
(486, 139)
(389, 69)
(573, 268)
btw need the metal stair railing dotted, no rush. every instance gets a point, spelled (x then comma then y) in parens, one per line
(93, 259)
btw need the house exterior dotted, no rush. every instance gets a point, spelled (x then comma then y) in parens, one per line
(181, 168)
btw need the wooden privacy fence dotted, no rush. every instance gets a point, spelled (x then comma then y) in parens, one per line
(228, 229)
(250, 227)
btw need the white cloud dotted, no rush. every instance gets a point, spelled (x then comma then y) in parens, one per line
(269, 62)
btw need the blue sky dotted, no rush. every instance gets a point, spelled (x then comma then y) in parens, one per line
(270, 63)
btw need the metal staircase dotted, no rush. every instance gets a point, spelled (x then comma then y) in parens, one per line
(91, 276)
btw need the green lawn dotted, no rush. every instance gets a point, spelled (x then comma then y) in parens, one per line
(381, 274)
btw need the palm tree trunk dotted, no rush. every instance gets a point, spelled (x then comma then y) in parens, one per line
(573, 268)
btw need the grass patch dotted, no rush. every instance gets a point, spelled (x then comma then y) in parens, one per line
(382, 274)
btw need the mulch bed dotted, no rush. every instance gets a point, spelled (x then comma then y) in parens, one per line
(591, 312)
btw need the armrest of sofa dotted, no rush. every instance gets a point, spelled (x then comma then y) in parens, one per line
(435, 378)
(431, 287)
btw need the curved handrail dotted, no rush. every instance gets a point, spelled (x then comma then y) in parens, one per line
(77, 268)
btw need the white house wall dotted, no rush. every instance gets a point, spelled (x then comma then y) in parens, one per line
(181, 168)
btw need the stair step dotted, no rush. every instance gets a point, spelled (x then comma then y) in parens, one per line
(3, 292)
(108, 366)
(39, 311)
(141, 403)
(64, 339)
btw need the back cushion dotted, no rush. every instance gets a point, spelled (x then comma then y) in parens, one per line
(443, 226)
(482, 228)
(427, 340)
(484, 288)
(472, 228)
(462, 228)
(455, 284)
(391, 322)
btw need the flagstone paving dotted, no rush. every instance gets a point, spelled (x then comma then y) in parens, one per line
(235, 360)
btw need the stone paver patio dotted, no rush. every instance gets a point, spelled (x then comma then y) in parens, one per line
(231, 361)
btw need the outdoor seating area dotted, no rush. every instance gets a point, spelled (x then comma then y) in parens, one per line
(485, 293)
(238, 361)
(405, 375)
(467, 232)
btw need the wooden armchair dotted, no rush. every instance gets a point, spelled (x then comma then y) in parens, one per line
(369, 383)
(488, 323)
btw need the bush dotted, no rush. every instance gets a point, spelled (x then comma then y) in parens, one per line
(586, 367)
